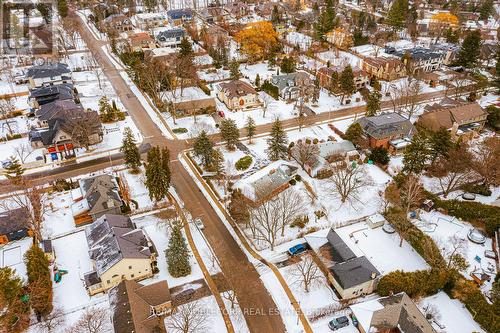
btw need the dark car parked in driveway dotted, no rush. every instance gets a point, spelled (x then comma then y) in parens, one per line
(339, 322)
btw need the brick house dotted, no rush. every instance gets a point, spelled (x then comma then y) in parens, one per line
(380, 130)
(238, 95)
(324, 75)
(384, 68)
(141, 41)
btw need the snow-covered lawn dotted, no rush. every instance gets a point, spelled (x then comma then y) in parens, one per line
(58, 218)
(12, 255)
(452, 314)
(443, 228)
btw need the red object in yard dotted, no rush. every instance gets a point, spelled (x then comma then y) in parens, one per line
(221, 114)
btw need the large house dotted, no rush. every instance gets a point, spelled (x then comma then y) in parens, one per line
(96, 196)
(140, 309)
(238, 95)
(385, 129)
(14, 225)
(44, 95)
(179, 16)
(396, 313)
(290, 86)
(119, 252)
(117, 22)
(350, 275)
(171, 38)
(141, 41)
(146, 21)
(463, 120)
(49, 74)
(384, 68)
(325, 74)
(423, 60)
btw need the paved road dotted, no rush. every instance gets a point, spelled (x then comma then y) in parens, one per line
(240, 273)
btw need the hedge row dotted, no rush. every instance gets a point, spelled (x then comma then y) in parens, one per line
(415, 284)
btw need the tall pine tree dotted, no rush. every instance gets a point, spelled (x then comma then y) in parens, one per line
(157, 173)
(203, 147)
(347, 85)
(397, 15)
(229, 132)
(62, 8)
(39, 280)
(234, 70)
(416, 154)
(130, 150)
(177, 253)
(251, 128)
(14, 171)
(373, 103)
(277, 144)
(470, 49)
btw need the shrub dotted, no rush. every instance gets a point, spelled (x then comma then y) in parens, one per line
(324, 173)
(308, 141)
(243, 163)
(203, 86)
(315, 141)
(319, 214)
(180, 130)
(292, 182)
(481, 189)
(298, 178)
(415, 284)
(13, 136)
(61, 185)
(379, 155)
(300, 221)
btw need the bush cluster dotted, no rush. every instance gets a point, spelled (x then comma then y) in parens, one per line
(180, 130)
(480, 189)
(243, 163)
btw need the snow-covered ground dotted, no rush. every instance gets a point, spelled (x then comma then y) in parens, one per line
(450, 314)
(12, 255)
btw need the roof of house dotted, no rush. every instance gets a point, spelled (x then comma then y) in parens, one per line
(57, 109)
(339, 251)
(131, 304)
(383, 61)
(420, 53)
(288, 80)
(171, 33)
(386, 125)
(14, 220)
(438, 116)
(330, 148)
(60, 92)
(112, 238)
(176, 14)
(140, 37)
(354, 272)
(48, 70)
(101, 193)
(237, 88)
(386, 313)
(196, 104)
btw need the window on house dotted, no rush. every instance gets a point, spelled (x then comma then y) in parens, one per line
(129, 267)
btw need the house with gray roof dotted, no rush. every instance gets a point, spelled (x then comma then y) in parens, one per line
(96, 196)
(350, 275)
(423, 60)
(171, 38)
(49, 74)
(291, 85)
(44, 95)
(118, 252)
(379, 130)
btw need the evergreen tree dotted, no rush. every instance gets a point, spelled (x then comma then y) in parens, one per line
(157, 174)
(470, 49)
(238, 208)
(439, 143)
(396, 17)
(497, 72)
(493, 118)
(277, 144)
(326, 20)
(347, 85)
(39, 280)
(416, 154)
(287, 65)
(229, 132)
(257, 80)
(217, 163)
(185, 48)
(251, 128)
(334, 82)
(373, 103)
(15, 313)
(379, 155)
(130, 151)
(45, 11)
(375, 84)
(62, 8)
(234, 70)
(275, 15)
(486, 10)
(177, 253)
(203, 148)
(14, 171)
(354, 133)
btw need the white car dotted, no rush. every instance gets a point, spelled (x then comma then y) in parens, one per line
(199, 223)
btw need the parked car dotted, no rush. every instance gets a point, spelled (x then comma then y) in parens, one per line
(355, 321)
(339, 322)
(199, 223)
(297, 249)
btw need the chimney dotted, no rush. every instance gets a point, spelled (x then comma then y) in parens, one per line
(373, 275)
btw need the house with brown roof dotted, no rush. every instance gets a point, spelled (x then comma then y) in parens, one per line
(463, 120)
(238, 95)
(116, 22)
(325, 74)
(391, 314)
(138, 308)
(384, 68)
(119, 252)
(141, 41)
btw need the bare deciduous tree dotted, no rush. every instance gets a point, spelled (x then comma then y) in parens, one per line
(93, 65)
(93, 320)
(6, 110)
(267, 101)
(231, 297)
(23, 151)
(412, 193)
(188, 318)
(405, 96)
(454, 253)
(289, 205)
(305, 153)
(347, 181)
(486, 161)
(306, 273)
(52, 322)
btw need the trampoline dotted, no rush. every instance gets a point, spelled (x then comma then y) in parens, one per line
(388, 228)
(476, 236)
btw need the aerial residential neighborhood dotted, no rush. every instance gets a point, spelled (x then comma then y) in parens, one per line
(249, 166)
